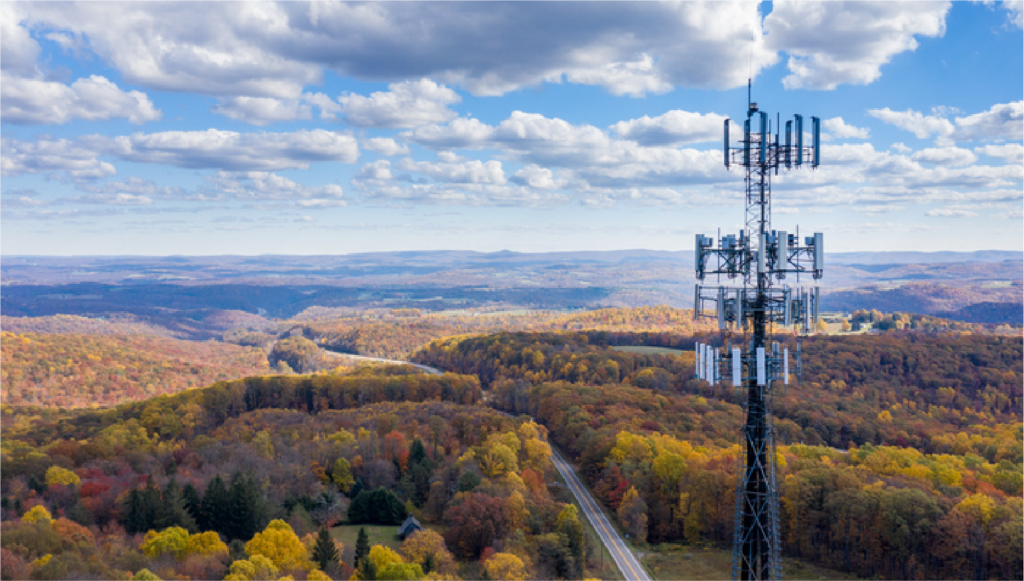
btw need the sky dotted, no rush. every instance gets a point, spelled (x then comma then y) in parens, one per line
(189, 128)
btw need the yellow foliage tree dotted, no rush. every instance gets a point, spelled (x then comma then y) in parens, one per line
(537, 454)
(278, 543)
(37, 513)
(173, 540)
(207, 543)
(145, 575)
(382, 556)
(427, 543)
(256, 567)
(317, 575)
(498, 459)
(58, 475)
(505, 567)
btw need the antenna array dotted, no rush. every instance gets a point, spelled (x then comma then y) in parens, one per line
(756, 258)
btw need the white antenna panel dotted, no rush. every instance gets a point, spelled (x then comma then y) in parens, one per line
(737, 368)
(761, 379)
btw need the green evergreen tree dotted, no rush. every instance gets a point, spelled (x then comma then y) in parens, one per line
(171, 511)
(246, 509)
(134, 513)
(151, 500)
(325, 553)
(367, 570)
(214, 512)
(193, 502)
(362, 548)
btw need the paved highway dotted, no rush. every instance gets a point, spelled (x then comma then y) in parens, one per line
(624, 558)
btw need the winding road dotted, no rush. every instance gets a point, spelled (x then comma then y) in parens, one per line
(624, 558)
(427, 368)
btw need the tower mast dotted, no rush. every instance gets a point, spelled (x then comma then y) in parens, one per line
(756, 257)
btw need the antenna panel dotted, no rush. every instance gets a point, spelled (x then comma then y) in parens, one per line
(737, 368)
(799, 139)
(761, 380)
(816, 125)
(725, 148)
(785, 365)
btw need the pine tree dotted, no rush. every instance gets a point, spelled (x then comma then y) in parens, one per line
(324, 552)
(214, 512)
(368, 570)
(246, 511)
(193, 502)
(134, 517)
(172, 511)
(362, 547)
(150, 506)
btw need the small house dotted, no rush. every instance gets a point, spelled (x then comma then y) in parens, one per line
(410, 526)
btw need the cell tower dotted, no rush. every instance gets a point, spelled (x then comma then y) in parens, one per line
(752, 306)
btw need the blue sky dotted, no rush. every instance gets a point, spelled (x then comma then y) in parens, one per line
(231, 128)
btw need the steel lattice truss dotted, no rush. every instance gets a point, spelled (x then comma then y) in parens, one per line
(755, 258)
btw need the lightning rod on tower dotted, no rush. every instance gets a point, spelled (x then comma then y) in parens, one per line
(760, 258)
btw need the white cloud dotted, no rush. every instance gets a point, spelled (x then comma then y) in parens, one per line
(673, 127)
(263, 110)
(842, 130)
(458, 171)
(951, 156)
(51, 155)
(261, 185)
(1002, 121)
(274, 50)
(113, 199)
(538, 177)
(228, 150)
(1014, 12)
(385, 146)
(900, 147)
(407, 104)
(834, 43)
(20, 202)
(922, 126)
(38, 101)
(1009, 152)
(951, 213)
(377, 171)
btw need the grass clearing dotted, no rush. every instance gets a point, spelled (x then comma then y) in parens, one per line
(644, 350)
(672, 561)
(378, 534)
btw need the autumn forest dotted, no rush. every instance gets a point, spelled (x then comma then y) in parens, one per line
(303, 448)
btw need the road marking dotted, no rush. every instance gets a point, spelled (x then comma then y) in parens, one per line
(595, 515)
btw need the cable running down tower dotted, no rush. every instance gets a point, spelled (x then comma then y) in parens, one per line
(758, 259)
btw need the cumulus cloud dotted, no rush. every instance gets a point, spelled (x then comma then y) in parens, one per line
(406, 104)
(922, 126)
(58, 156)
(457, 171)
(39, 101)
(834, 43)
(385, 146)
(673, 127)
(229, 150)
(113, 199)
(951, 156)
(1009, 152)
(951, 213)
(1002, 121)
(842, 130)
(262, 185)
(263, 110)
(538, 177)
(276, 49)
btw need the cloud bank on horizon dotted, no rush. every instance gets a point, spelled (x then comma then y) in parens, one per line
(223, 128)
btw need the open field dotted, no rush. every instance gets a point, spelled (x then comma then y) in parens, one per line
(379, 535)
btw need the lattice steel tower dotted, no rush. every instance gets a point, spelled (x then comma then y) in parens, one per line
(754, 307)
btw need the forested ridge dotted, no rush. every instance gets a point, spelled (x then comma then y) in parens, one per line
(901, 453)
(233, 480)
(80, 370)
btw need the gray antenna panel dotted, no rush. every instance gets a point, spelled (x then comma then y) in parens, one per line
(761, 379)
